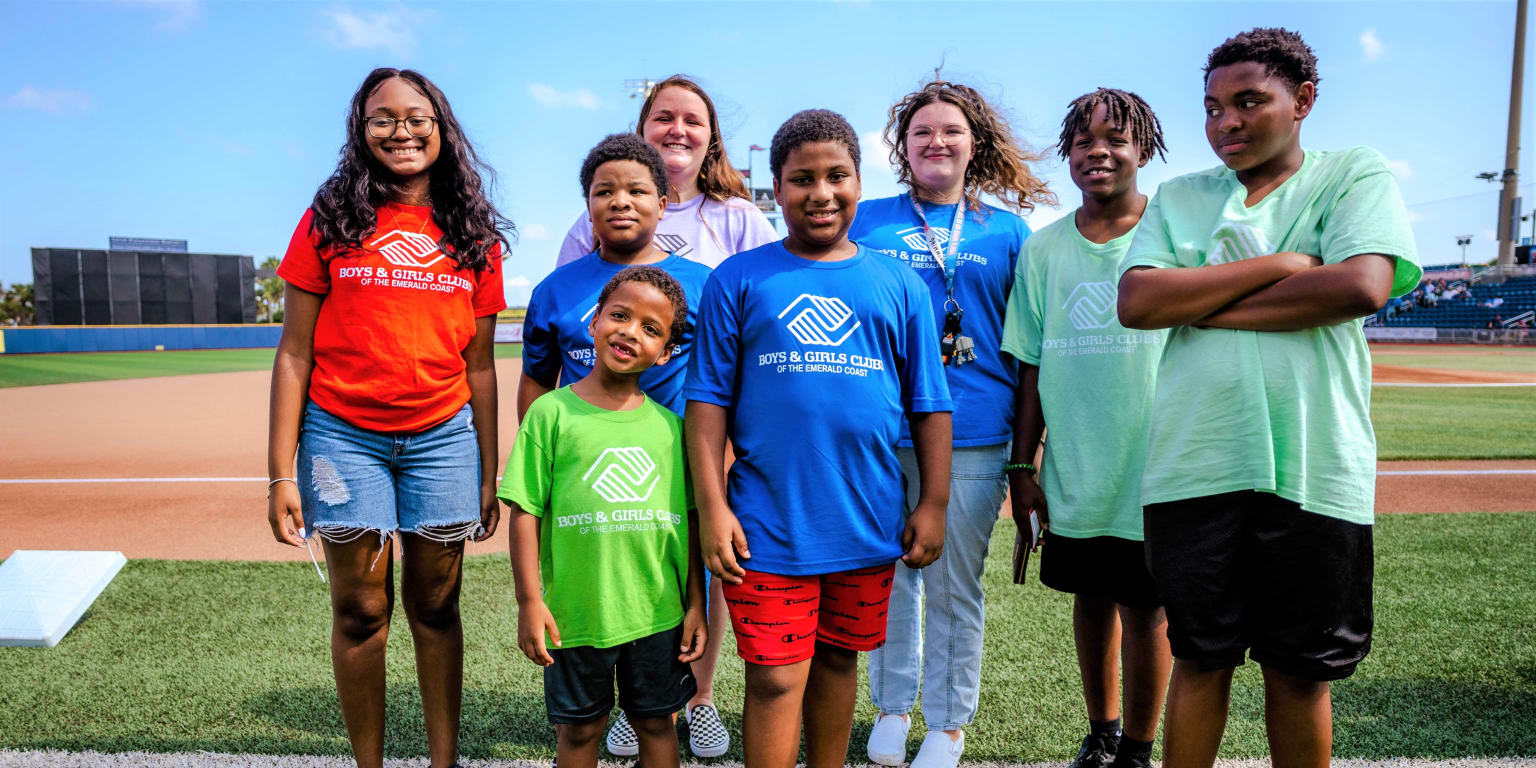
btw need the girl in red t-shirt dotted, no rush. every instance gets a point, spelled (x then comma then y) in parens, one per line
(385, 387)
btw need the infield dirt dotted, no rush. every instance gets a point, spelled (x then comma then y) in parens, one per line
(215, 426)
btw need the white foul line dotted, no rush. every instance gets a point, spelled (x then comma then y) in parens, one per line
(52, 481)
(1454, 384)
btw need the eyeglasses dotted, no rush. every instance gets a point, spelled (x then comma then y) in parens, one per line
(419, 126)
(924, 136)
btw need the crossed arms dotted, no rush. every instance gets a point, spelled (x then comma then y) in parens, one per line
(1284, 291)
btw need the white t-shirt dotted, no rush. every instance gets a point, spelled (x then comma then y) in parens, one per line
(701, 229)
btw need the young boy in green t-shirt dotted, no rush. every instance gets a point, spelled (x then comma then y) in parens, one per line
(1261, 464)
(1090, 379)
(604, 534)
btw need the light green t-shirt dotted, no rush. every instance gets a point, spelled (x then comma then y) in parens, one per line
(1096, 378)
(1286, 412)
(611, 491)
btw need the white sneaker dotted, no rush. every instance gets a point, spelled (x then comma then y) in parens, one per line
(622, 741)
(707, 736)
(888, 740)
(939, 751)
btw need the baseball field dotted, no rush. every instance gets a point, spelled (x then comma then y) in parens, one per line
(212, 644)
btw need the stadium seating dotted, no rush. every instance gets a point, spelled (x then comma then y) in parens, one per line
(1470, 311)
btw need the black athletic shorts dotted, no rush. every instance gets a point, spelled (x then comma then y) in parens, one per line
(578, 687)
(1104, 567)
(1250, 570)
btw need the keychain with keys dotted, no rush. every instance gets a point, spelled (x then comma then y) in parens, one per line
(955, 348)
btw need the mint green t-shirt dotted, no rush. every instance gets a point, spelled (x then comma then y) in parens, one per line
(1096, 378)
(611, 491)
(1286, 412)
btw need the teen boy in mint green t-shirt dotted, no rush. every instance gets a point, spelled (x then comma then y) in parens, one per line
(604, 533)
(1089, 380)
(1260, 475)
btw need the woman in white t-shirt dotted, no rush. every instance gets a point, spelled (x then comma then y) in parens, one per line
(709, 216)
(709, 213)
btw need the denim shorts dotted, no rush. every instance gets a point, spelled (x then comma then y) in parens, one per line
(354, 481)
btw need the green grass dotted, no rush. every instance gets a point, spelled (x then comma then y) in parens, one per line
(1454, 422)
(232, 657)
(34, 370)
(1510, 361)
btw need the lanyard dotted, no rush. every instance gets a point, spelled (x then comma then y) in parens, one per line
(949, 263)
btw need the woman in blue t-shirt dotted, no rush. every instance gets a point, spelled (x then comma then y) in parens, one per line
(950, 147)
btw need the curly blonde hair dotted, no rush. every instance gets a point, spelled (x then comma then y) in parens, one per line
(1000, 164)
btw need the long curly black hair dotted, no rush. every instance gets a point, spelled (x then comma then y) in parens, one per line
(346, 204)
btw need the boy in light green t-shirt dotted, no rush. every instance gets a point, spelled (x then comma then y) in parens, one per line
(1090, 380)
(1260, 479)
(604, 535)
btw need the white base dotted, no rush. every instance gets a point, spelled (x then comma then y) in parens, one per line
(43, 593)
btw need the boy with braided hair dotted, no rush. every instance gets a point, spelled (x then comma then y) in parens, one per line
(1091, 380)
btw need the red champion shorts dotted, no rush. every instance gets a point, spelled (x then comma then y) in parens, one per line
(779, 619)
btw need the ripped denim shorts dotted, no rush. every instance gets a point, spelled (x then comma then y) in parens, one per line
(354, 481)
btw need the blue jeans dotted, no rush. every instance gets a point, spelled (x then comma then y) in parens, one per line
(354, 481)
(942, 633)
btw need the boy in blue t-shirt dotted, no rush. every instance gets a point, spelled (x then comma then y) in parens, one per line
(625, 184)
(808, 353)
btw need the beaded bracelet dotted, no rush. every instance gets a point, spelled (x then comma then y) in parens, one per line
(1011, 466)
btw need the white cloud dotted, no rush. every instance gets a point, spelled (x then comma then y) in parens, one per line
(177, 15)
(1371, 45)
(534, 231)
(1401, 169)
(1415, 217)
(392, 29)
(1491, 235)
(520, 281)
(550, 96)
(57, 101)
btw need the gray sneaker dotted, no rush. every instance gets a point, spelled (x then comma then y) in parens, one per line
(622, 741)
(707, 736)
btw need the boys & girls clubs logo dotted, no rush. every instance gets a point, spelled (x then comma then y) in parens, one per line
(624, 475)
(408, 249)
(819, 320)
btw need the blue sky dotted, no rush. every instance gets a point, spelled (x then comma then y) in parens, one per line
(215, 121)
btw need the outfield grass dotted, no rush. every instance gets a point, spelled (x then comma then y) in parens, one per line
(232, 657)
(1454, 422)
(33, 370)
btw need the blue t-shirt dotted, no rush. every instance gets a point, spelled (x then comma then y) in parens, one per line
(557, 347)
(983, 390)
(816, 362)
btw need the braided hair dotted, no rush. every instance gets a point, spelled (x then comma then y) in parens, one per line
(1124, 110)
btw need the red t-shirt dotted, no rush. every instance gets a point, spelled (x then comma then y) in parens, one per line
(395, 322)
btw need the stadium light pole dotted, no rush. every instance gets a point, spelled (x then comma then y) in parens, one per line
(751, 174)
(1508, 217)
(1463, 241)
(639, 87)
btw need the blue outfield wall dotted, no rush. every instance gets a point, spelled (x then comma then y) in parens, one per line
(129, 338)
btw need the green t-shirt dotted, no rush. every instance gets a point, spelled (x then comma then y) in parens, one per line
(1286, 412)
(1096, 378)
(611, 491)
